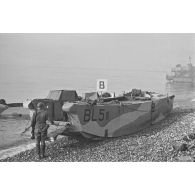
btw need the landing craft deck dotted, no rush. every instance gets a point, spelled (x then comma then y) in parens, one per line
(115, 119)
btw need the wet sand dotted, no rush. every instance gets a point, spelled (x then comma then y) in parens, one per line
(154, 143)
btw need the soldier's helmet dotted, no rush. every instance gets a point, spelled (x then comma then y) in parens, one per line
(31, 106)
(41, 105)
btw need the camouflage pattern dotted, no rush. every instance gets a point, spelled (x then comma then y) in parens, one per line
(115, 119)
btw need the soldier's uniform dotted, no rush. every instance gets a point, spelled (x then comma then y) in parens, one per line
(39, 123)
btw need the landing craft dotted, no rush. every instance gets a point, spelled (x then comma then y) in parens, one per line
(97, 117)
(114, 117)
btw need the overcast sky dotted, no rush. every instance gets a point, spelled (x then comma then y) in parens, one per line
(157, 51)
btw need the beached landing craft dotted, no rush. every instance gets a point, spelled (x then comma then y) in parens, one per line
(97, 117)
(113, 117)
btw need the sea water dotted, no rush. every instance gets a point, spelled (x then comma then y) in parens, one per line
(10, 132)
(82, 79)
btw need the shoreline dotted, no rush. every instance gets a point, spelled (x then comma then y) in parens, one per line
(153, 143)
(10, 152)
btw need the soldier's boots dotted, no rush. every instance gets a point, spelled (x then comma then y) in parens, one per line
(43, 151)
(38, 150)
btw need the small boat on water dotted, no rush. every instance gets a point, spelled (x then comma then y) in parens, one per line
(113, 117)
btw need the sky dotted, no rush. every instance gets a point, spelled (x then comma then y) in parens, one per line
(36, 61)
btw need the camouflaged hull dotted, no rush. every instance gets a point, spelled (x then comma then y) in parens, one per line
(115, 119)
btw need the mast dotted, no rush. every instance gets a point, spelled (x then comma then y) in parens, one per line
(192, 71)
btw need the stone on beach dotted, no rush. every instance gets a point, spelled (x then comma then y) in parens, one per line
(185, 159)
(181, 147)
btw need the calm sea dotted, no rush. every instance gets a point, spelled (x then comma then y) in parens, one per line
(81, 79)
(84, 79)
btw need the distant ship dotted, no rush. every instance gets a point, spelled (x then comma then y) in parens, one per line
(182, 74)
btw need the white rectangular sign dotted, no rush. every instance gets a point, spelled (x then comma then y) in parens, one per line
(102, 85)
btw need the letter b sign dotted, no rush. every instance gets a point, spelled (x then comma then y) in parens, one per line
(102, 85)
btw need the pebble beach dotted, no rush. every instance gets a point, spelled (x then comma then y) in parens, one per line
(153, 144)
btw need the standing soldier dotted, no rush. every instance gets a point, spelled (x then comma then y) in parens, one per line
(39, 123)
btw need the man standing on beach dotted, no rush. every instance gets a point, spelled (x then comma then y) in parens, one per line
(39, 123)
